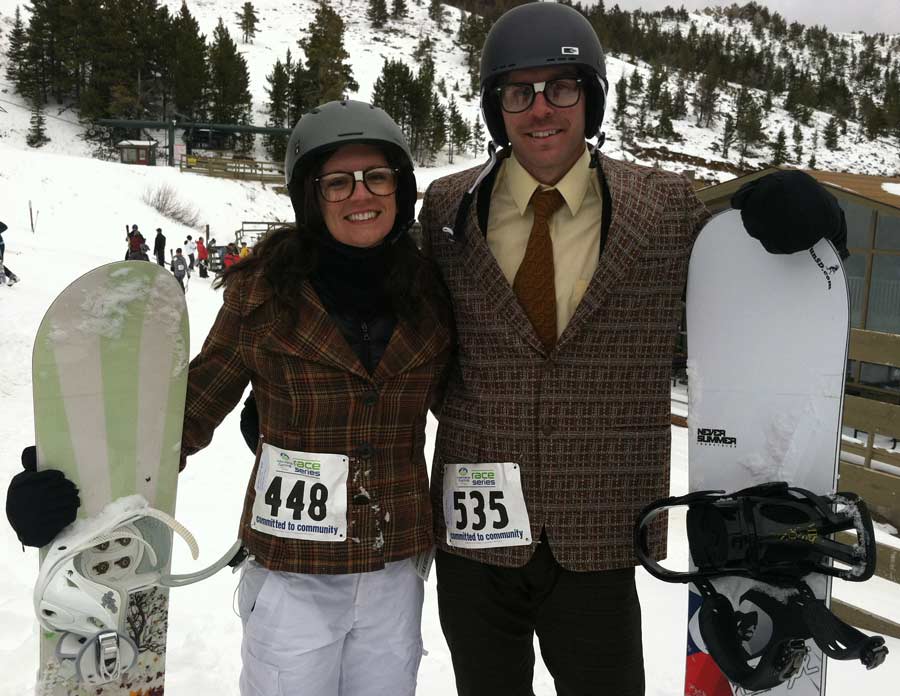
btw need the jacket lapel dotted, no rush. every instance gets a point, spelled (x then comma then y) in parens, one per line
(479, 264)
(312, 335)
(412, 346)
(628, 234)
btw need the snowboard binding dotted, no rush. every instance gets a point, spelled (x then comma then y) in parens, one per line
(777, 535)
(90, 575)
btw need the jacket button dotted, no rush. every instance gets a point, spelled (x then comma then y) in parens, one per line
(370, 398)
(365, 450)
(361, 499)
(547, 429)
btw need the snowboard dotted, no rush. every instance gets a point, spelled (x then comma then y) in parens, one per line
(767, 354)
(110, 365)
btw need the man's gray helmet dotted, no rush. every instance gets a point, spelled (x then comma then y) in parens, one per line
(540, 35)
(329, 126)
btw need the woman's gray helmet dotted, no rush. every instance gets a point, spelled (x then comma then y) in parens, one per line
(337, 123)
(540, 35)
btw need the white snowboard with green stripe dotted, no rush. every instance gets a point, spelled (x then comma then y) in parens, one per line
(110, 367)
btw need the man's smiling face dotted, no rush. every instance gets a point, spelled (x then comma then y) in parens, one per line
(547, 140)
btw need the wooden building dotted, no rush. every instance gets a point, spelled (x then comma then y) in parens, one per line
(137, 152)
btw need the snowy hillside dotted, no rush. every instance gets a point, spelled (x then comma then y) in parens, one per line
(282, 24)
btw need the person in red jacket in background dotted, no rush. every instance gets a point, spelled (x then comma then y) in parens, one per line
(231, 256)
(202, 256)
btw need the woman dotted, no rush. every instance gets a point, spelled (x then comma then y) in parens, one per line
(340, 326)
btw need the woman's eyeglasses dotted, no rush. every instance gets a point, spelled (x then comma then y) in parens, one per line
(335, 187)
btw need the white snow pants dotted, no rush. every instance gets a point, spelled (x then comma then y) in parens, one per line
(331, 635)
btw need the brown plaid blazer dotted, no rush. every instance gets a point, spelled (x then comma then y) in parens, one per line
(314, 395)
(588, 422)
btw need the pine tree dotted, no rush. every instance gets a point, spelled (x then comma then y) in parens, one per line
(229, 79)
(621, 100)
(189, 68)
(727, 135)
(798, 142)
(635, 83)
(329, 72)
(399, 9)
(830, 134)
(658, 79)
(747, 122)
(706, 95)
(15, 53)
(278, 88)
(436, 12)
(477, 139)
(779, 148)
(37, 134)
(247, 21)
(437, 135)
(679, 99)
(377, 14)
(664, 128)
(458, 130)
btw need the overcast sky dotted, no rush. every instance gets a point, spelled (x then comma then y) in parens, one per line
(869, 16)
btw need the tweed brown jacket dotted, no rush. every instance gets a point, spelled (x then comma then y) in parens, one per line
(314, 395)
(588, 421)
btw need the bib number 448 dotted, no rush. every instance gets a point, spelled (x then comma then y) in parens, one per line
(475, 500)
(296, 501)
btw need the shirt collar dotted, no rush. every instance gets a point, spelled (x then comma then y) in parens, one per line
(573, 186)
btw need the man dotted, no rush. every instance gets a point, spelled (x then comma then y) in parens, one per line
(567, 270)
(179, 267)
(159, 247)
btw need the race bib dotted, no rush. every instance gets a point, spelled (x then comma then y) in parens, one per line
(301, 495)
(484, 506)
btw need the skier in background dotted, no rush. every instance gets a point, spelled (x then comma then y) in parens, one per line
(179, 267)
(7, 277)
(202, 256)
(245, 250)
(191, 246)
(159, 247)
(566, 380)
(137, 246)
(343, 329)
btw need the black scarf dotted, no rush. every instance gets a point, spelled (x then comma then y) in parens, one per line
(352, 280)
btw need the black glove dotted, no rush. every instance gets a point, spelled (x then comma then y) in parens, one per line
(250, 423)
(789, 211)
(39, 504)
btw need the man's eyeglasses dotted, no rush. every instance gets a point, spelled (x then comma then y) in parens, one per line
(516, 97)
(339, 186)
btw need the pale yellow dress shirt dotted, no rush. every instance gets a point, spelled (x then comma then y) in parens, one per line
(574, 228)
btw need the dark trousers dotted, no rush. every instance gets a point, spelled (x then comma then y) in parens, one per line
(588, 626)
(191, 264)
(180, 280)
(160, 258)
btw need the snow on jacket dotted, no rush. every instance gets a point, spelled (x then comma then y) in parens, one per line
(314, 395)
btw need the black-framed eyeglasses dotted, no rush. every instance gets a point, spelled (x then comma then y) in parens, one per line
(335, 187)
(562, 92)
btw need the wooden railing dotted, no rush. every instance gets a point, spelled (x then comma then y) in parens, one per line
(872, 468)
(245, 170)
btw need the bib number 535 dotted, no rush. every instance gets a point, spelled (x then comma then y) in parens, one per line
(472, 504)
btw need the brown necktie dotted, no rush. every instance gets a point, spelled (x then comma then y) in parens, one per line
(533, 283)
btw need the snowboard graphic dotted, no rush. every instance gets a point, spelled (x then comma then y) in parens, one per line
(767, 351)
(110, 367)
